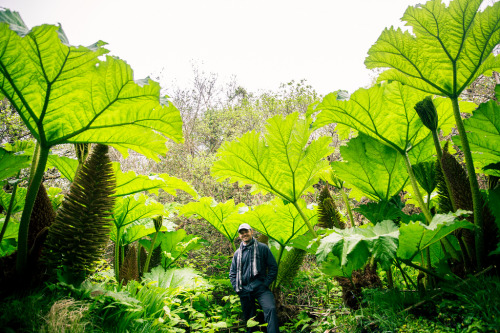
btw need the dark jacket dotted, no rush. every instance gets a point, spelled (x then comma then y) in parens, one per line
(266, 266)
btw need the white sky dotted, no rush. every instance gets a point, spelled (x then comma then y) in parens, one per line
(262, 42)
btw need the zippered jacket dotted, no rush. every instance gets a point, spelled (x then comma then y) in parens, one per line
(267, 268)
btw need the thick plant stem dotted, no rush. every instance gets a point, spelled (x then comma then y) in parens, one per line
(420, 200)
(425, 210)
(474, 186)
(414, 184)
(34, 184)
(9, 210)
(304, 217)
(150, 252)
(420, 268)
(450, 249)
(439, 153)
(390, 280)
(282, 248)
(398, 265)
(346, 201)
(117, 255)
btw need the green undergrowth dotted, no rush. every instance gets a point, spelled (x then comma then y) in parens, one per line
(471, 305)
(159, 303)
(313, 303)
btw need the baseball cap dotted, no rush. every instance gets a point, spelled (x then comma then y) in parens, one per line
(244, 226)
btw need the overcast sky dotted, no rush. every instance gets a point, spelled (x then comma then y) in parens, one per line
(263, 43)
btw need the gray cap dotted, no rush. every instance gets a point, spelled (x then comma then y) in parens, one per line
(244, 226)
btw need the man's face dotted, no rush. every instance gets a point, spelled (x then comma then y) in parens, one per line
(246, 235)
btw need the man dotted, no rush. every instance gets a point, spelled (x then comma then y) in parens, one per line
(252, 271)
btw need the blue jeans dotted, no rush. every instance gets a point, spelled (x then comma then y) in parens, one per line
(266, 301)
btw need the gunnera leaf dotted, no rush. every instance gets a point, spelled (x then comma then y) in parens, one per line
(483, 133)
(220, 215)
(81, 230)
(425, 172)
(380, 211)
(328, 215)
(446, 49)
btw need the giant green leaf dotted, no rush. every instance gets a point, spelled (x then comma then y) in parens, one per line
(483, 132)
(220, 215)
(306, 242)
(130, 183)
(65, 165)
(279, 161)
(374, 169)
(135, 207)
(55, 196)
(446, 50)
(279, 221)
(175, 244)
(384, 112)
(353, 247)
(127, 182)
(425, 173)
(18, 203)
(416, 236)
(134, 231)
(12, 229)
(175, 278)
(12, 163)
(377, 212)
(67, 94)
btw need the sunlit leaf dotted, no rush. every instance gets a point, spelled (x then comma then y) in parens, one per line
(176, 244)
(19, 199)
(384, 112)
(12, 229)
(135, 232)
(132, 208)
(279, 161)
(446, 50)
(130, 183)
(127, 182)
(56, 197)
(425, 173)
(11, 163)
(377, 212)
(65, 165)
(174, 278)
(354, 246)
(279, 221)
(220, 215)
(375, 170)
(483, 133)
(66, 94)
(416, 236)
(305, 242)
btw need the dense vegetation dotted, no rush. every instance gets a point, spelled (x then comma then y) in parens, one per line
(119, 207)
